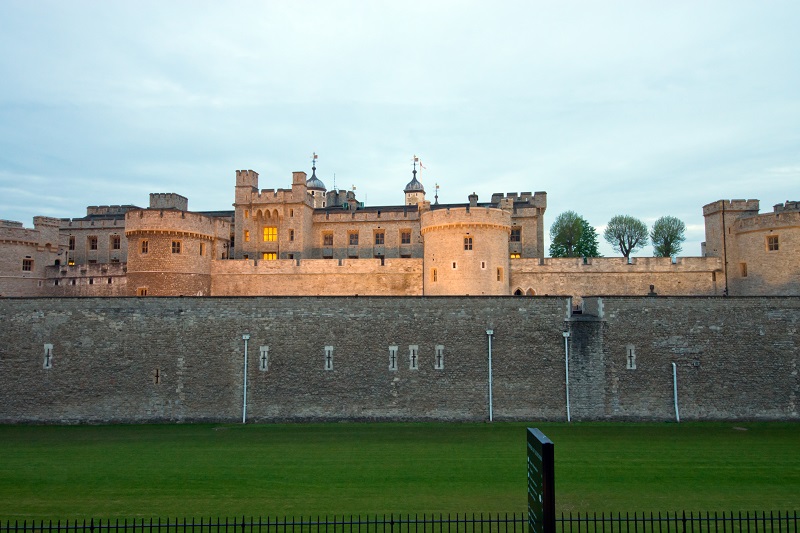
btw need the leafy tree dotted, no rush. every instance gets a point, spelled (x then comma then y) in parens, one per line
(626, 233)
(571, 235)
(667, 235)
(587, 244)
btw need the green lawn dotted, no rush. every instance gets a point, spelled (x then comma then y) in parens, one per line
(258, 470)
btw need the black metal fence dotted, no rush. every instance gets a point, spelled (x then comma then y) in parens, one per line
(742, 522)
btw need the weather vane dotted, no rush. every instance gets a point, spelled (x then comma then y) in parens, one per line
(314, 158)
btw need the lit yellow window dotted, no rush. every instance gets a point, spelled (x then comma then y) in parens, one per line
(499, 274)
(515, 256)
(270, 234)
(247, 235)
(269, 256)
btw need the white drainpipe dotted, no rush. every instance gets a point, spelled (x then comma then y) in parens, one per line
(566, 369)
(246, 338)
(675, 391)
(489, 333)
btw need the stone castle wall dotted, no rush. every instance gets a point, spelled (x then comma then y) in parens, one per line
(577, 276)
(95, 280)
(92, 360)
(317, 277)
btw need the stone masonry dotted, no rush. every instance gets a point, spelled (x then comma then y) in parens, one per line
(98, 360)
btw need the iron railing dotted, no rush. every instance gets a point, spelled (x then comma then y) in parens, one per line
(747, 522)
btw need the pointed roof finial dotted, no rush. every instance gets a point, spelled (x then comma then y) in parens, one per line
(414, 185)
(436, 196)
(314, 182)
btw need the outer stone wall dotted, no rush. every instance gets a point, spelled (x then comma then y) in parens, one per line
(79, 360)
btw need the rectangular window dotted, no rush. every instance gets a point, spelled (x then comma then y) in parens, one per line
(516, 233)
(144, 246)
(263, 359)
(115, 242)
(405, 237)
(141, 291)
(327, 239)
(743, 269)
(392, 357)
(176, 247)
(202, 248)
(291, 235)
(246, 213)
(329, 358)
(438, 358)
(413, 357)
(72, 243)
(27, 265)
(499, 274)
(270, 234)
(630, 357)
(515, 256)
(353, 239)
(92, 243)
(434, 275)
(468, 243)
(48, 356)
(379, 238)
(772, 243)
(247, 235)
(269, 256)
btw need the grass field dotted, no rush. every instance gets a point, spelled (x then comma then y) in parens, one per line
(259, 470)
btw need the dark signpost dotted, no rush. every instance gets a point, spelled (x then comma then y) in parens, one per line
(541, 494)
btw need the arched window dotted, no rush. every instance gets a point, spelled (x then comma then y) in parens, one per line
(530, 292)
(518, 292)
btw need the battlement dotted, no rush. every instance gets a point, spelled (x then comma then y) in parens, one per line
(247, 178)
(513, 199)
(168, 200)
(767, 221)
(751, 206)
(10, 224)
(464, 216)
(175, 222)
(599, 265)
(788, 206)
(109, 209)
(49, 222)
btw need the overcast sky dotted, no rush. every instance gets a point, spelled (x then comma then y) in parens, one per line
(640, 108)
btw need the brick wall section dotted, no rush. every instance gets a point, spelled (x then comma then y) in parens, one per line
(106, 352)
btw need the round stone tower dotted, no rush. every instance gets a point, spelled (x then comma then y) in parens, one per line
(170, 252)
(466, 251)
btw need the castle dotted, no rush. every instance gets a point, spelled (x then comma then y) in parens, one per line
(308, 240)
(324, 294)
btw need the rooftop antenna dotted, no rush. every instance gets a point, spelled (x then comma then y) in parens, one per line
(436, 197)
(334, 181)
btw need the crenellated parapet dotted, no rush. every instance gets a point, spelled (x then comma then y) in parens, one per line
(512, 199)
(738, 206)
(171, 222)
